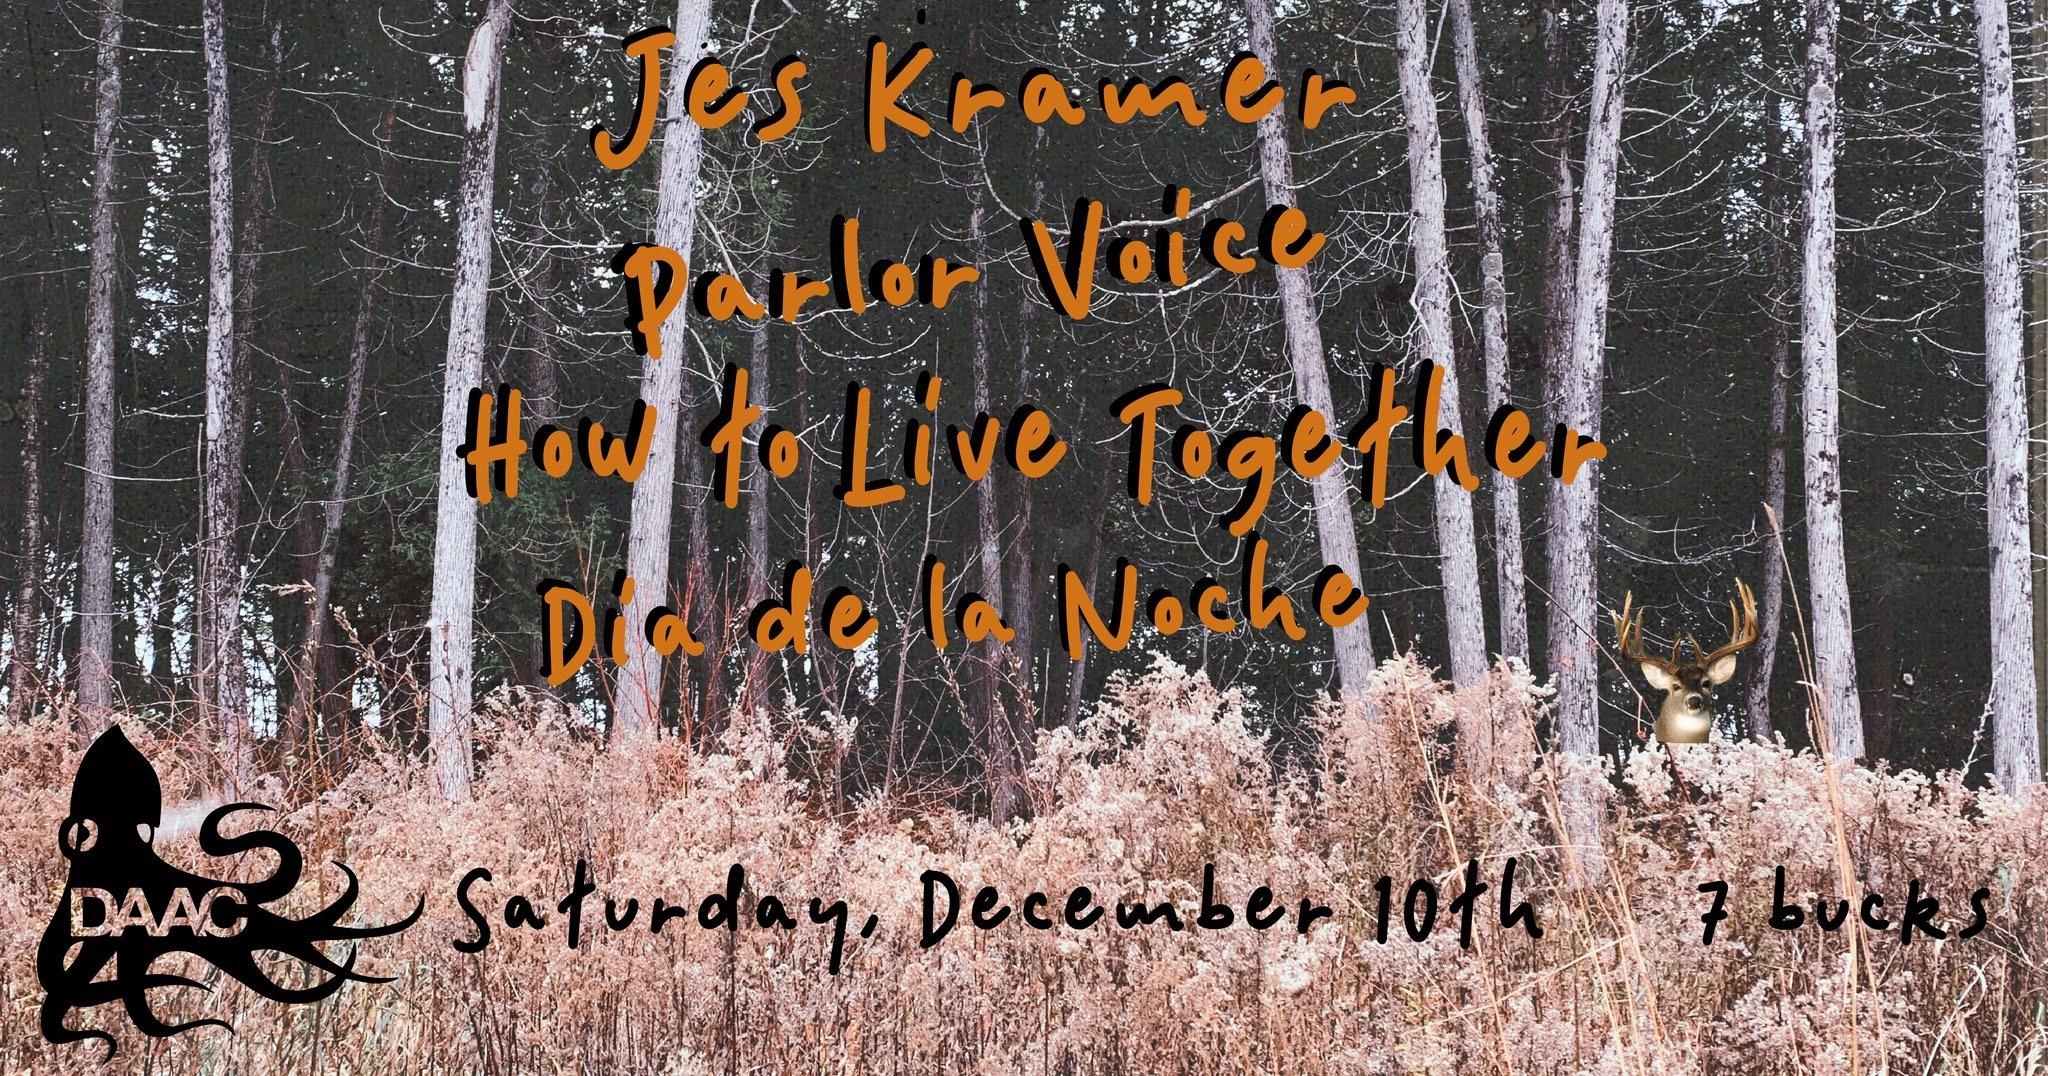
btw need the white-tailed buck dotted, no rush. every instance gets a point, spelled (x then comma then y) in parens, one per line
(1688, 685)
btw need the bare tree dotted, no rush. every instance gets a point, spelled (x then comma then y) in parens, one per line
(990, 721)
(451, 618)
(1834, 655)
(225, 460)
(1509, 577)
(1021, 605)
(225, 694)
(1464, 611)
(760, 663)
(26, 627)
(1573, 510)
(2038, 388)
(1098, 536)
(639, 683)
(1764, 662)
(96, 549)
(299, 721)
(1335, 530)
(1559, 207)
(2015, 735)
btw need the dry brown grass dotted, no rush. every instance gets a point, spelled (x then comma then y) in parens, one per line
(1170, 775)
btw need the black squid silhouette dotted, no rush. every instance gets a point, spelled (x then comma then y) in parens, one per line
(116, 807)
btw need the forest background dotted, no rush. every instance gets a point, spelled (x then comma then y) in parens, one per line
(1789, 261)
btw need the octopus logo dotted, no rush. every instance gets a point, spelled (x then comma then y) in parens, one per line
(124, 908)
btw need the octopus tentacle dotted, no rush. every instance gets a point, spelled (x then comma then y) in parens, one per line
(93, 954)
(136, 982)
(330, 916)
(56, 1031)
(243, 967)
(289, 862)
(308, 952)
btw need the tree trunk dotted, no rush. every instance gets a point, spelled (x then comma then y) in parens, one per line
(308, 685)
(760, 667)
(96, 546)
(24, 676)
(1559, 209)
(1335, 530)
(451, 620)
(163, 598)
(1574, 510)
(661, 385)
(295, 468)
(1834, 655)
(702, 593)
(2015, 736)
(1509, 577)
(1020, 605)
(1464, 610)
(225, 675)
(991, 719)
(2038, 393)
(819, 661)
(541, 401)
(249, 244)
(1763, 663)
(1077, 671)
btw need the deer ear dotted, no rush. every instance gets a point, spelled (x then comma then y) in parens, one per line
(1720, 671)
(1658, 676)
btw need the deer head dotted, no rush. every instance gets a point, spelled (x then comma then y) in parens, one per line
(1688, 685)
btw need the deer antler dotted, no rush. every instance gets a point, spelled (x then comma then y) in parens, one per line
(1628, 631)
(1741, 625)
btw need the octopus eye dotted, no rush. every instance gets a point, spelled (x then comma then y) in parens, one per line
(79, 835)
(145, 831)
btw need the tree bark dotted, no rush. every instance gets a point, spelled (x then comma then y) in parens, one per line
(991, 720)
(226, 699)
(1020, 606)
(1077, 670)
(295, 468)
(1559, 207)
(702, 594)
(661, 385)
(541, 402)
(760, 666)
(823, 669)
(2015, 734)
(1509, 575)
(1574, 510)
(249, 244)
(1834, 655)
(451, 617)
(2038, 390)
(1464, 610)
(308, 683)
(1336, 533)
(23, 676)
(96, 546)
(1763, 663)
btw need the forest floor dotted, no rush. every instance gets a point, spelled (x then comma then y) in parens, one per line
(1167, 777)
